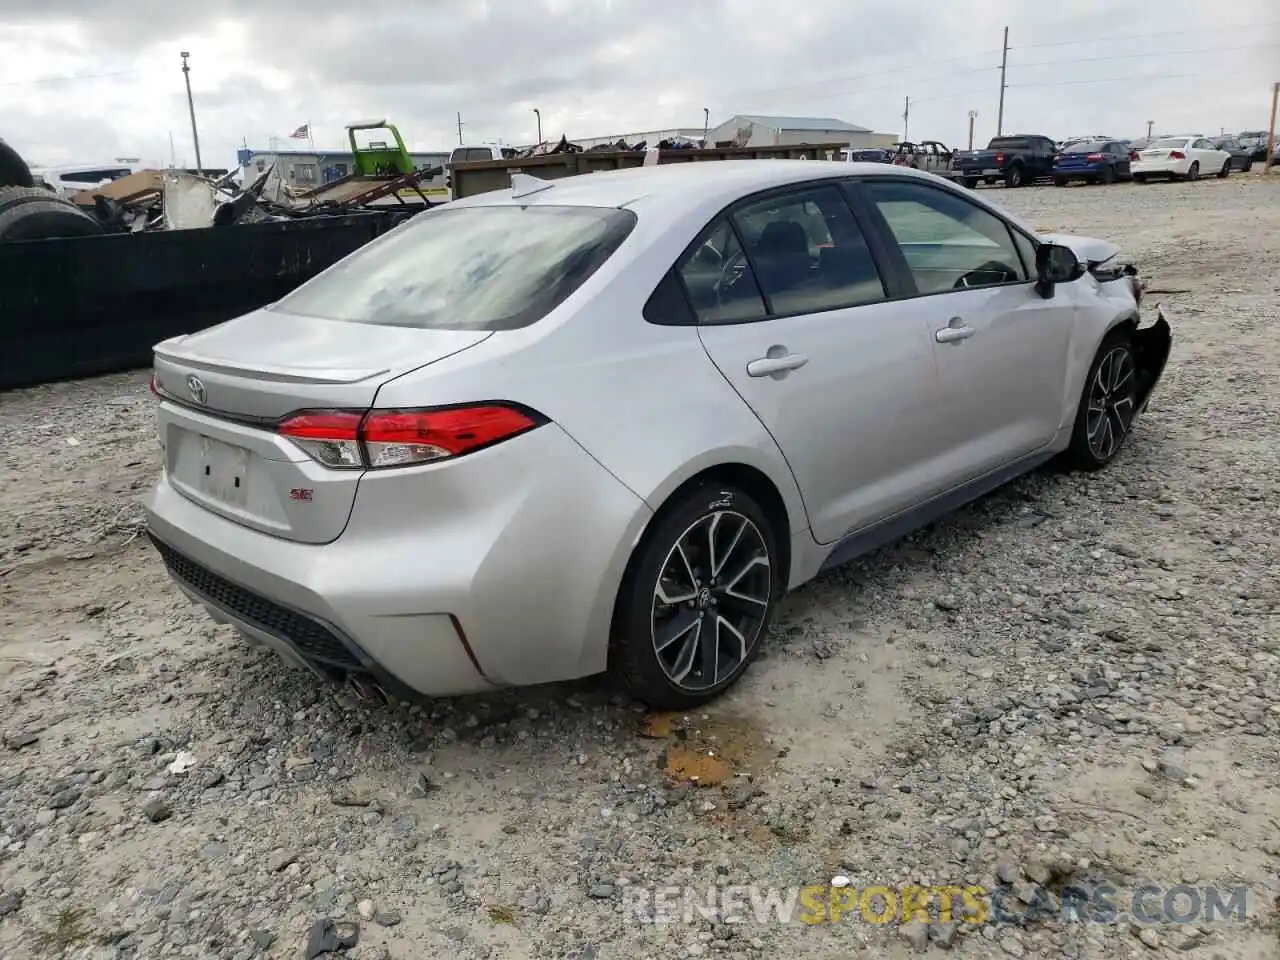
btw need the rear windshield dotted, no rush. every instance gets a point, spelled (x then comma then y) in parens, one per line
(468, 268)
(1085, 148)
(1008, 143)
(1172, 142)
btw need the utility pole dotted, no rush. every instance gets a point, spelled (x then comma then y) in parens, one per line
(537, 113)
(973, 115)
(459, 129)
(906, 119)
(1150, 124)
(191, 107)
(1271, 129)
(1004, 67)
(706, 125)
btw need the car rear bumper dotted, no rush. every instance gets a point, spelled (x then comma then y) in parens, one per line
(1159, 168)
(499, 569)
(1088, 170)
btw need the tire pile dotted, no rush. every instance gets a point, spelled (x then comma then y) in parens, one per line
(31, 212)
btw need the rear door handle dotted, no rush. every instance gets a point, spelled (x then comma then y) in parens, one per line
(953, 332)
(768, 366)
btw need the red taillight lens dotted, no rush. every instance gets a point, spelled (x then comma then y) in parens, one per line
(388, 438)
(155, 385)
(1058, 158)
(1133, 154)
(394, 437)
(999, 158)
(1177, 155)
(1094, 157)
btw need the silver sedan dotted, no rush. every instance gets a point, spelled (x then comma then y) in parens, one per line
(604, 423)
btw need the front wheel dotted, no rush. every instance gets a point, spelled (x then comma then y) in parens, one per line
(1108, 405)
(696, 600)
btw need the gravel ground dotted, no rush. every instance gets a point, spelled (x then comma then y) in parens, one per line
(1074, 681)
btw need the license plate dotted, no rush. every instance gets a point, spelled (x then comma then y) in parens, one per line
(990, 173)
(224, 472)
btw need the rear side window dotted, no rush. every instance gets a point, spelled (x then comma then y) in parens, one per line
(808, 253)
(467, 268)
(721, 285)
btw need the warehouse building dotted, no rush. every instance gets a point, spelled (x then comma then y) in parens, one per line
(756, 130)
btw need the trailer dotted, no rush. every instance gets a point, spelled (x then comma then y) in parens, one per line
(469, 179)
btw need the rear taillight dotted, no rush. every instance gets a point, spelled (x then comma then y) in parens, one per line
(999, 158)
(1177, 155)
(155, 385)
(345, 439)
(1058, 159)
(1094, 157)
(1133, 154)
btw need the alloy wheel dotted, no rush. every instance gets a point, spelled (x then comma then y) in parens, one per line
(1111, 402)
(711, 600)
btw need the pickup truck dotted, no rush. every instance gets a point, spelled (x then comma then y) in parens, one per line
(1017, 160)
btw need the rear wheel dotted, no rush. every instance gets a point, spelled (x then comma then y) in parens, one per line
(1139, 178)
(1194, 172)
(1108, 404)
(1059, 181)
(1014, 177)
(1225, 171)
(696, 600)
(1108, 175)
(971, 183)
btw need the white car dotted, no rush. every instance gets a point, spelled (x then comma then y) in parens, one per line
(1180, 158)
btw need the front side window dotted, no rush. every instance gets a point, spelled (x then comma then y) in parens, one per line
(808, 252)
(948, 242)
(467, 268)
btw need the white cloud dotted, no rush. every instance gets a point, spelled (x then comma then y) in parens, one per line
(597, 67)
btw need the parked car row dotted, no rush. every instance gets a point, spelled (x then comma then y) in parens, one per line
(1027, 158)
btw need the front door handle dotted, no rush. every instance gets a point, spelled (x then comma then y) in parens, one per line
(954, 332)
(768, 366)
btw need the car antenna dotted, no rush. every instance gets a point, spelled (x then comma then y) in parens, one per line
(524, 185)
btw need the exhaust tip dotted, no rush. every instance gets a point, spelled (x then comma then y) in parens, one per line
(367, 690)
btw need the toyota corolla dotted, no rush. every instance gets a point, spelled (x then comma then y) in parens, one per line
(602, 424)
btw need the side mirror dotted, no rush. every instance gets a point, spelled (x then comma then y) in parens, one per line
(1055, 264)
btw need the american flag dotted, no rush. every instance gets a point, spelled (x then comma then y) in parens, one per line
(301, 133)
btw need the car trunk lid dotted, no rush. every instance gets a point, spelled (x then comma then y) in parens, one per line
(223, 390)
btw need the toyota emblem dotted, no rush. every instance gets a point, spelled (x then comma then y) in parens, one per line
(196, 387)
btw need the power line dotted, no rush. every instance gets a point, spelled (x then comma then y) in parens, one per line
(1143, 36)
(69, 79)
(1131, 77)
(1149, 53)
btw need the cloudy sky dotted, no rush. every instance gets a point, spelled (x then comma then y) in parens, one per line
(86, 81)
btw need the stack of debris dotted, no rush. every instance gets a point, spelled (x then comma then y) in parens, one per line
(176, 200)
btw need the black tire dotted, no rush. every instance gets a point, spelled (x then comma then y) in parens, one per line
(30, 213)
(1059, 181)
(989, 181)
(1194, 172)
(1139, 178)
(1108, 175)
(1112, 386)
(1225, 171)
(971, 183)
(14, 171)
(1013, 178)
(642, 614)
(1246, 166)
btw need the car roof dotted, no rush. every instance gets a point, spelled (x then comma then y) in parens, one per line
(693, 192)
(675, 183)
